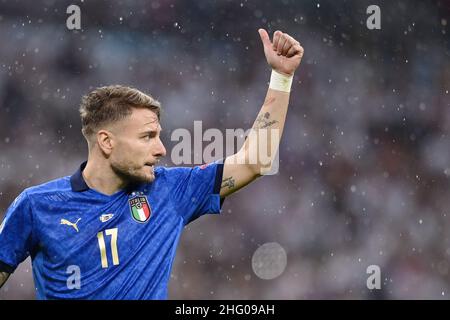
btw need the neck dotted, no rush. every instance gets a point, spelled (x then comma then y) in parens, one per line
(99, 176)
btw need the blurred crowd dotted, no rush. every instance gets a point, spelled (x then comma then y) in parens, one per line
(364, 159)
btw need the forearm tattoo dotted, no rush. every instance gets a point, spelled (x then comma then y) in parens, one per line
(228, 182)
(263, 121)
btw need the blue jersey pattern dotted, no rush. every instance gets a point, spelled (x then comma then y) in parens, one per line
(88, 245)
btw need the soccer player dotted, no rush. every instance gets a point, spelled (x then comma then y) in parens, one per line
(110, 231)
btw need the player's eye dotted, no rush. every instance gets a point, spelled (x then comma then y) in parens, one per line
(149, 136)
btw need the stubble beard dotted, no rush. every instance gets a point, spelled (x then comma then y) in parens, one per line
(133, 175)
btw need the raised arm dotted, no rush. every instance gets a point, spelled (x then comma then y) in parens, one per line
(257, 155)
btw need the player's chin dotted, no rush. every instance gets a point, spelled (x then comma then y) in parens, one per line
(142, 175)
(148, 173)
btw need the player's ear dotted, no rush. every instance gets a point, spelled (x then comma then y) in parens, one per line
(104, 140)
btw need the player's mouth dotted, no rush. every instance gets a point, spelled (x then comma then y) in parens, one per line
(151, 165)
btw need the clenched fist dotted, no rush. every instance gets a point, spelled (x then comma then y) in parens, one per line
(284, 53)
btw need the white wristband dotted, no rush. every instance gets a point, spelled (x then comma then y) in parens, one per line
(280, 82)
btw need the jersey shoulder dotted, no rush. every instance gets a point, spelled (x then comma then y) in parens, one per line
(59, 185)
(172, 174)
(167, 172)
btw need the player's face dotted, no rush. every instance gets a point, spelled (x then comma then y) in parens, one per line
(137, 146)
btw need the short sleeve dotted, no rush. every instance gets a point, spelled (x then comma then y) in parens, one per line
(197, 190)
(16, 234)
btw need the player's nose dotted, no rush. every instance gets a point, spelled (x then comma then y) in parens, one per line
(160, 150)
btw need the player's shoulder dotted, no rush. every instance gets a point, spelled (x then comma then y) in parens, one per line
(179, 173)
(170, 172)
(177, 170)
(162, 171)
(41, 191)
(53, 186)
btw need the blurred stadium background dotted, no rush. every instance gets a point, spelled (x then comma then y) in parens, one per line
(365, 157)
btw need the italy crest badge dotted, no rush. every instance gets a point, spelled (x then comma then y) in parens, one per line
(140, 208)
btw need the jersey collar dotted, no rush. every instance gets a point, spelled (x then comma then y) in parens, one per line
(77, 181)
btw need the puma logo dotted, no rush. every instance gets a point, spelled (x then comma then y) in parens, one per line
(68, 223)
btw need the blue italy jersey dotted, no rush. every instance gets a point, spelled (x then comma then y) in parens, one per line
(88, 245)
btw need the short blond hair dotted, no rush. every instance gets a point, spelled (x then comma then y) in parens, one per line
(110, 104)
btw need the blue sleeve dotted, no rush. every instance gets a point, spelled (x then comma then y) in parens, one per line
(198, 190)
(16, 234)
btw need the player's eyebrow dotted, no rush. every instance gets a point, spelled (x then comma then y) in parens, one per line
(151, 131)
(148, 131)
